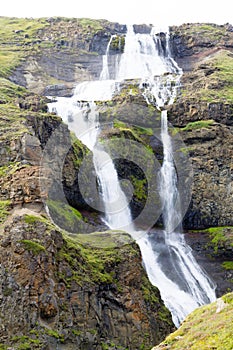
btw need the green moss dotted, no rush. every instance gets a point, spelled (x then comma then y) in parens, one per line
(197, 125)
(24, 342)
(205, 329)
(55, 334)
(228, 265)
(32, 246)
(215, 86)
(152, 297)
(118, 43)
(228, 298)
(140, 188)
(149, 292)
(93, 257)
(90, 25)
(76, 332)
(33, 219)
(110, 345)
(79, 151)
(186, 150)
(3, 347)
(4, 210)
(220, 237)
(65, 216)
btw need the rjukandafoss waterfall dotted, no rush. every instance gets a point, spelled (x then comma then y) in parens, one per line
(167, 258)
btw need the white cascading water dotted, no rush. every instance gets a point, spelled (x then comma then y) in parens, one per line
(168, 260)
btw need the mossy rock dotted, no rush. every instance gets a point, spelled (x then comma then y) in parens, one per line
(5, 207)
(211, 81)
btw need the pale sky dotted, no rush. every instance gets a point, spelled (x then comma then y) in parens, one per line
(160, 12)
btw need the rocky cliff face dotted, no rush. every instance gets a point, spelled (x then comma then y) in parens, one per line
(203, 115)
(73, 293)
(62, 52)
(63, 292)
(87, 291)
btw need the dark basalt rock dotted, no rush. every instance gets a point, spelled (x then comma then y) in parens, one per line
(142, 28)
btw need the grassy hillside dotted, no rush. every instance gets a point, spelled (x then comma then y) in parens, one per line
(209, 327)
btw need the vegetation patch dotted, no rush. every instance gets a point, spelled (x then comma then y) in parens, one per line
(197, 125)
(5, 207)
(220, 237)
(212, 81)
(228, 265)
(94, 257)
(34, 247)
(65, 216)
(207, 327)
(90, 25)
(25, 342)
(118, 43)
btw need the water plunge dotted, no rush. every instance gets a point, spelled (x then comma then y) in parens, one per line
(167, 258)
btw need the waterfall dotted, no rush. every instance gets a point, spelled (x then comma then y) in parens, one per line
(117, 212)
(168, 181)
(167, 258)
(104, 75)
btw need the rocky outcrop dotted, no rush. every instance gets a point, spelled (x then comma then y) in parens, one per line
(203, 116)
(62, 52)
(87, 292)
(210, 149)
(193, 42)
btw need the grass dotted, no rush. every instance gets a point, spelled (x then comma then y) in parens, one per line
(206, 31)
(220, 237)
(65, 216)
(9, 59)
(9, 91)
(216, 86)
(205, 328)
(197, 125)
(90, 24)
(20, 30)
(15, 36)
(34, 247)
(94, 256)
(4, 210)
(227, 265)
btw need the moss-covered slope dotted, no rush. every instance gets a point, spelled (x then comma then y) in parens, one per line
(210, 327)
(78, 292)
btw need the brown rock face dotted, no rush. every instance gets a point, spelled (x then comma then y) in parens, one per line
(53, 291)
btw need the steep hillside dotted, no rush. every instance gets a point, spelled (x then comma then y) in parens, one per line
(209, 327)
(56, 51)
(203, 116)
(57, 290)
